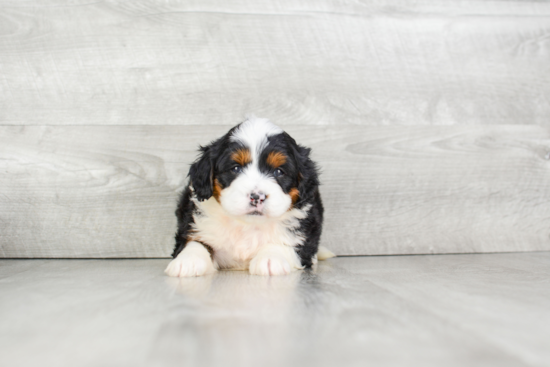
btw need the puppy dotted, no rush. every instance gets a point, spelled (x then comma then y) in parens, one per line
(252, 202)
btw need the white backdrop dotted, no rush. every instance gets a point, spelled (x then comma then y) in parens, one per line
(431, 120)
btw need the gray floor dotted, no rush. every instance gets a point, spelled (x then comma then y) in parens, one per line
(446, 310)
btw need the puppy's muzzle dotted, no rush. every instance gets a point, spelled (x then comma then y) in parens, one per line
(257, 198)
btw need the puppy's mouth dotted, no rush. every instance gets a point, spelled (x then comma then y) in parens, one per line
(255, 212)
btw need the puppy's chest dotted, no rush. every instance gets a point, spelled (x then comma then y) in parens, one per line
(232, 242)
(235, 242)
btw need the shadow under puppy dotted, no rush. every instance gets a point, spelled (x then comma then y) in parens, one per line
(252, 202)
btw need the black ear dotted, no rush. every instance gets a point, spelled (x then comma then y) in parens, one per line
(201, 174)
(308, 179)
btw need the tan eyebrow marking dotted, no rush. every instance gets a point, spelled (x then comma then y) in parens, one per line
(276, 159)
(242, 156)
(217, 190)
(294, 195)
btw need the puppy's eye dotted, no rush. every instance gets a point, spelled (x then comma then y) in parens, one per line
(278, 173)
(237, 169)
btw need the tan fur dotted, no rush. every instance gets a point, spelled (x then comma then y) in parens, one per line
(294, 195)
(276, 159)
(217, 190)
(242, 156)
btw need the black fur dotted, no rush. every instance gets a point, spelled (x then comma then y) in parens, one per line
(311, 228)
(201, 173)
(299, 172)
(184, 213)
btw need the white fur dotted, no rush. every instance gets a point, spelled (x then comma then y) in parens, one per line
(324, 253)
(253, 133)
(274, 260)
(238, 240)
(193, 261)
(236, 198)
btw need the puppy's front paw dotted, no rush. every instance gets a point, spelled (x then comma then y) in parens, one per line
(269, 264)
(189, 265)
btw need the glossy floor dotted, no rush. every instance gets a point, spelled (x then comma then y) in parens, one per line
(445, 310)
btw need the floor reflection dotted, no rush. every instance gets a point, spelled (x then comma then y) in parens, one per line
(238, 287)
(234, 317)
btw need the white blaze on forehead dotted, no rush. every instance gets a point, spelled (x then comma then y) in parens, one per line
(253, 133)
(235, 199)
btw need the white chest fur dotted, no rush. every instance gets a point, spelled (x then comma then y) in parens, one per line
(237, 240)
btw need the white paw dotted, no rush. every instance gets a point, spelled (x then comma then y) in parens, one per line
(189, 265)
(193, 261)
(269, 265)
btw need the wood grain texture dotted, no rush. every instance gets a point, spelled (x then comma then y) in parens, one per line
(298, 62)
(389, 311)
(110, 191)
(430, 120)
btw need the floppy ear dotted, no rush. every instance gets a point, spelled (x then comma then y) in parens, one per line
(308, 179)
(201, 174)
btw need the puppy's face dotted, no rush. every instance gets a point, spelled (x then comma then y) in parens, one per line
(256, 170)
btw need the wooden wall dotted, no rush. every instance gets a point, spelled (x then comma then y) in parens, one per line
(431, 120)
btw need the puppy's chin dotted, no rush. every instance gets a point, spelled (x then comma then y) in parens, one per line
(256, 212)
(253, 218)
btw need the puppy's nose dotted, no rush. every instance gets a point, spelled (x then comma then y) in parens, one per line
(257, 198)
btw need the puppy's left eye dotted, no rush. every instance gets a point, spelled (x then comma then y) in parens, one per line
(237, 169)
(278, 173)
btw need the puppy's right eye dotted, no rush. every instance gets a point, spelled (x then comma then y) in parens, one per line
(237, 169)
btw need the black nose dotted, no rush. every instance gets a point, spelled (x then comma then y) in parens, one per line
(256, 198)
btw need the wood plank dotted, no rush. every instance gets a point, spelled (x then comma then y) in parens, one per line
(476, 293)
(299, 62)
(110, 191)
(452, 311)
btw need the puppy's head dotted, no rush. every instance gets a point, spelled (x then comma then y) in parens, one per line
(255, 170)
